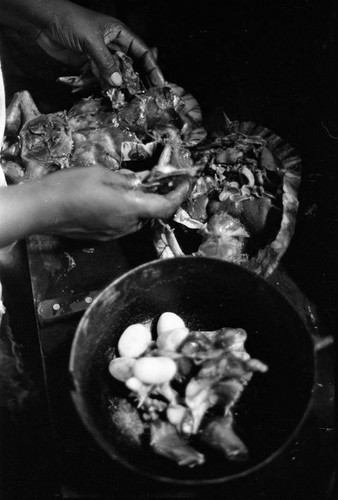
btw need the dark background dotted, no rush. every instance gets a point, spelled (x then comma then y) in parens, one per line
(272, 62)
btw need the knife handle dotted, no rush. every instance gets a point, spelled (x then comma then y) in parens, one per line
(62, 308)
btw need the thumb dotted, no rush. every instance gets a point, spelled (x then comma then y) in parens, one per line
(105, 65)
(163, 206)
(180, 193)
(124, 178)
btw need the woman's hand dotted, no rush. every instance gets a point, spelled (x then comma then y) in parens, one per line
(82, 203)
(73, 34)
(77, 31)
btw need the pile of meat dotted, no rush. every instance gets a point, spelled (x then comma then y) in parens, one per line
(185, 385)
(235, 204)
(125, 127)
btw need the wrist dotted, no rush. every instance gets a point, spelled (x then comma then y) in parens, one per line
(47, 213)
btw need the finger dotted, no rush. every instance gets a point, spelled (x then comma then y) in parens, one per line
(143, 174)
(125, 179)
(180, 193)
(132, 179)
(163, 206)
(151, 71)
(105, 64)
(145, 58)
(141, 54)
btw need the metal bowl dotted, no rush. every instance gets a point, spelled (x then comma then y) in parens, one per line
(207, 294)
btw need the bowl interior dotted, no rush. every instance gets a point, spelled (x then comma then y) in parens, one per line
(207, 294)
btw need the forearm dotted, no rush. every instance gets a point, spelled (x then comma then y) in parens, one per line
(25, 209)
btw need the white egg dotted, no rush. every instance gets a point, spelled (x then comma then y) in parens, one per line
(134, 384)
(134, 340)
(121, 368)
(154, 370)
(176, 414)
(169, 321)
(172, 339)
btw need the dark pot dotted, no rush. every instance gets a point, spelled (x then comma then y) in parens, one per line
(207, 294)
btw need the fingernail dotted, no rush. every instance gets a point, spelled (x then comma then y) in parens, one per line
(116, 79)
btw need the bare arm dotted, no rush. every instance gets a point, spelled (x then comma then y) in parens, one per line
(82, 203)
(20, 212)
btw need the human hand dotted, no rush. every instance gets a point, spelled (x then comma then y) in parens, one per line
(72, 34)
(96, 203)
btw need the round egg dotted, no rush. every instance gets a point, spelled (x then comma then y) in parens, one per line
(169, 321)
(134, 384)
(176, 414)
(154, 370)
(121, 368)
(134, 340)
(172, 339)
